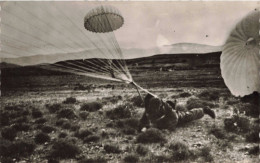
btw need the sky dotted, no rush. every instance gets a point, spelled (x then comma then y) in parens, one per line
(146, 24)
(149, 24)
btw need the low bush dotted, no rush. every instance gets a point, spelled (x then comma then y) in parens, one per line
(83, 115)
(66, 113)
(63, 135)
(137, 101)
(211, 95)
(142, 150)
(131, 158)
(36, 113)
(61, 121)
(151, 135)
(113, 99)
(70, 100)
(205, 152)
(91, 106)
(198, 103)
(218, 133)
(119, 112)
(248, 109)
(16, 149)
(110, 148)
(237, 123)
(9, 133)
(253, 135)
(254, 150)
(54, 108)
(22, 126)
(64, 149)
(40, 120)
(180, 151)
(82, 134)
(48, 129)
(91, 138)
(41, 138)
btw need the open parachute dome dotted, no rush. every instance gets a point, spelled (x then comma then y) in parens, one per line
(103, 19)
(240, 58)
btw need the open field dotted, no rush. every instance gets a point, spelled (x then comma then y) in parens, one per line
(75, 118)
(96, 133)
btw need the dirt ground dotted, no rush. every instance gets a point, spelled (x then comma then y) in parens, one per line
(197, 135)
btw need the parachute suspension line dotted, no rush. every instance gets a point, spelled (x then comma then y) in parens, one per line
(111, 63)
(78, 28)
(100, 24)
(36, 27)
(117, 47)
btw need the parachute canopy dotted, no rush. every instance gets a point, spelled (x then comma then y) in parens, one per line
(103, 19)
(240, 58)
(46, 34)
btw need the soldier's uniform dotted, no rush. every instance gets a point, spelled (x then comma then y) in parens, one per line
(163, 115)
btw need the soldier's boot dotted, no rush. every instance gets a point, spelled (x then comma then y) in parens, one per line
(210, 112)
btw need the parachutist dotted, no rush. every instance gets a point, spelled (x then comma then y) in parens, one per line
(164, 115)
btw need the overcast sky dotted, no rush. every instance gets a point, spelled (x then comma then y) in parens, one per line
(146, 24)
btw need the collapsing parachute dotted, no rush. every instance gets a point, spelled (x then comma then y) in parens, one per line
(240, 58)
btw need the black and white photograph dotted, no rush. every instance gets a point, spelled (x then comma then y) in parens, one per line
(129, 81)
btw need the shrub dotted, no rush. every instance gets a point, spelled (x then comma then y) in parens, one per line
(180, 151)
(83, 115)
(41, 138)
(253, 134)
(64, 149)
(249, 109)
(74, 127)
(70, 100)
(119, 112)
(5, 147)
(137, 101)
(61, 121)
(66, 113)
(22, 127)
(131, 158)
(91, 138)
(40, 120)
(197, 103)
(83, 134)
(210, 95)
(23, 119)
(218, 133)
(184, 94)
(141, 150)
(110, 148)
(17, 149)
(48, 129)
(205, 152)
(129, 131)
(113, 99)
(91, 106)
(54, 108)
(237, 123)
(151, 135)
(66, 125)
(63, 135)
(36, 113)
(254, 150)
(9, 133)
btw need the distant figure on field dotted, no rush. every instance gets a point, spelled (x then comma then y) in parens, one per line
(163, 115)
